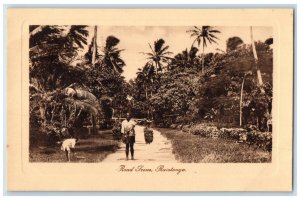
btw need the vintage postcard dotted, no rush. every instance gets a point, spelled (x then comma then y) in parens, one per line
(149, 99)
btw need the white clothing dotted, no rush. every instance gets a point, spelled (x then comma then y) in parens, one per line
(128, 126)
(67, 144)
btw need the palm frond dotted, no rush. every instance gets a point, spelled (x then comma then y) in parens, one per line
(151, 48)
(196, 27)
(215, 31)
(204, 42)
(213, 41)
(213, 36)
(166, 53)
(163, 49)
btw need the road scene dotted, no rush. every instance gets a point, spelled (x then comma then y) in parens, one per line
(187, 94)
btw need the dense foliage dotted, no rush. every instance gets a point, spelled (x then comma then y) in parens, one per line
(67, 90)
(184, 94)
(71, 88)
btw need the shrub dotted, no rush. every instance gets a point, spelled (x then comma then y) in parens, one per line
(116, 131)
(256, 138)
(232, 133)
(260, 139)
(204, 130)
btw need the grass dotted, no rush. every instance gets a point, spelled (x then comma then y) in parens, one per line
(93, 149)
(195, 149)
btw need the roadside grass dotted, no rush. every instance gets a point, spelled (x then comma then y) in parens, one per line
(93, 149)
(195, 149)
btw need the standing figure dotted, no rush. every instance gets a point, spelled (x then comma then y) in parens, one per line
(128, 134)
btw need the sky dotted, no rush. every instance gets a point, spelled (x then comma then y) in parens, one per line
(134, 40)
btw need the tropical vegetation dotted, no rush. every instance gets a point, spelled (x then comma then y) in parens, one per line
(75, 83)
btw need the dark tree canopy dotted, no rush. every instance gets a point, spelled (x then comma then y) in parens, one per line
(233, 43)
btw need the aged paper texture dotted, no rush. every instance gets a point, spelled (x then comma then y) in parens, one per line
(23, 175)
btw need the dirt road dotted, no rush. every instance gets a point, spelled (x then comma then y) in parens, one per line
(160, 150)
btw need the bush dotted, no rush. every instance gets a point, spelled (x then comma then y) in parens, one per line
(256, 138)
(232, 133)
(116, 131)
(204, 130)
(260, 139)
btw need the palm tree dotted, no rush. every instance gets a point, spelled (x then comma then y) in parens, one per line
(75, 39)
(203, 34)
(145, 77)
(158, 55)
(185, 59)
(43, 34)
(61, 41)
(112, 58)
(52, 49)
(77, 36)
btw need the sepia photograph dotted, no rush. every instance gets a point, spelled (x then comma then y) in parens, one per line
(191, 94)
(147, 99)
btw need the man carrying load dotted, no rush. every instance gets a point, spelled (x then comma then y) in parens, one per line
(128, 134)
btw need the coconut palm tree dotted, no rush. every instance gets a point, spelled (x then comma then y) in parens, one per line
(43, 34)
(74, 36)
(112, 55)
(185, 59)
(77, 36)
(203, 34)
(60, 42)
(75, 39)
(52, 49)
(145, 77)
(158, 55)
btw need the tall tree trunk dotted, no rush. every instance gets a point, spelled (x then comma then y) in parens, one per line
(259, 78)
(94, 47)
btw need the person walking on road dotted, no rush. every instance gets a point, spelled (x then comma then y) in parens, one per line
(128, 133)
